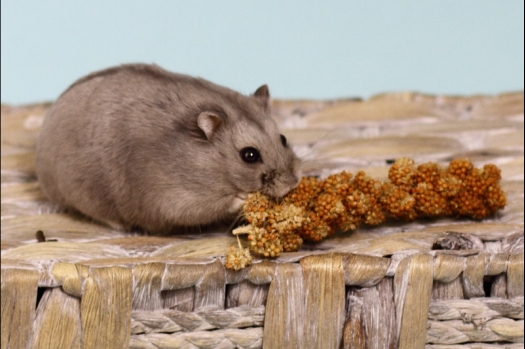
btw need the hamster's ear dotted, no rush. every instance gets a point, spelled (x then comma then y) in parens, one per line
(209, 123)
(263, 96)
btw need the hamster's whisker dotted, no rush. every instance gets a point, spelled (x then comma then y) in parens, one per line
(235, 221)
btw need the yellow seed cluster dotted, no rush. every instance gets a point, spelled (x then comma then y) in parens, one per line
(275, 225)
(317, 209)
(238, 258)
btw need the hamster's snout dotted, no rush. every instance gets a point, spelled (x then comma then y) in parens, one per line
(279, 184)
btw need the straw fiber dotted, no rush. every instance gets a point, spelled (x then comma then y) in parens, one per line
(68, 282)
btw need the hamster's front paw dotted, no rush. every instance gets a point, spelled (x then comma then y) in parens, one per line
(237, 202)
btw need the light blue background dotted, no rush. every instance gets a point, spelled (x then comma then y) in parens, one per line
(302, 49)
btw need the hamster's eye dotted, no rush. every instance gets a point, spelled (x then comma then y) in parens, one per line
(250, 155)
(283, 140)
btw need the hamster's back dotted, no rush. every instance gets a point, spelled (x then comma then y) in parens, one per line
(85, 148)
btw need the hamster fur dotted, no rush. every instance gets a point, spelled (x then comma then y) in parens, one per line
(139, 146)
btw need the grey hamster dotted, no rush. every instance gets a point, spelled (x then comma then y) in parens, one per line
(139, 146)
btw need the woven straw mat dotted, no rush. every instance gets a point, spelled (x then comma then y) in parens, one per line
(87, 286)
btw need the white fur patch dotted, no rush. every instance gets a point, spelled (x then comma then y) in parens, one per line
(237, 203)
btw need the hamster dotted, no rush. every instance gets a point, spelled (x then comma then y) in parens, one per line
(136, 146)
